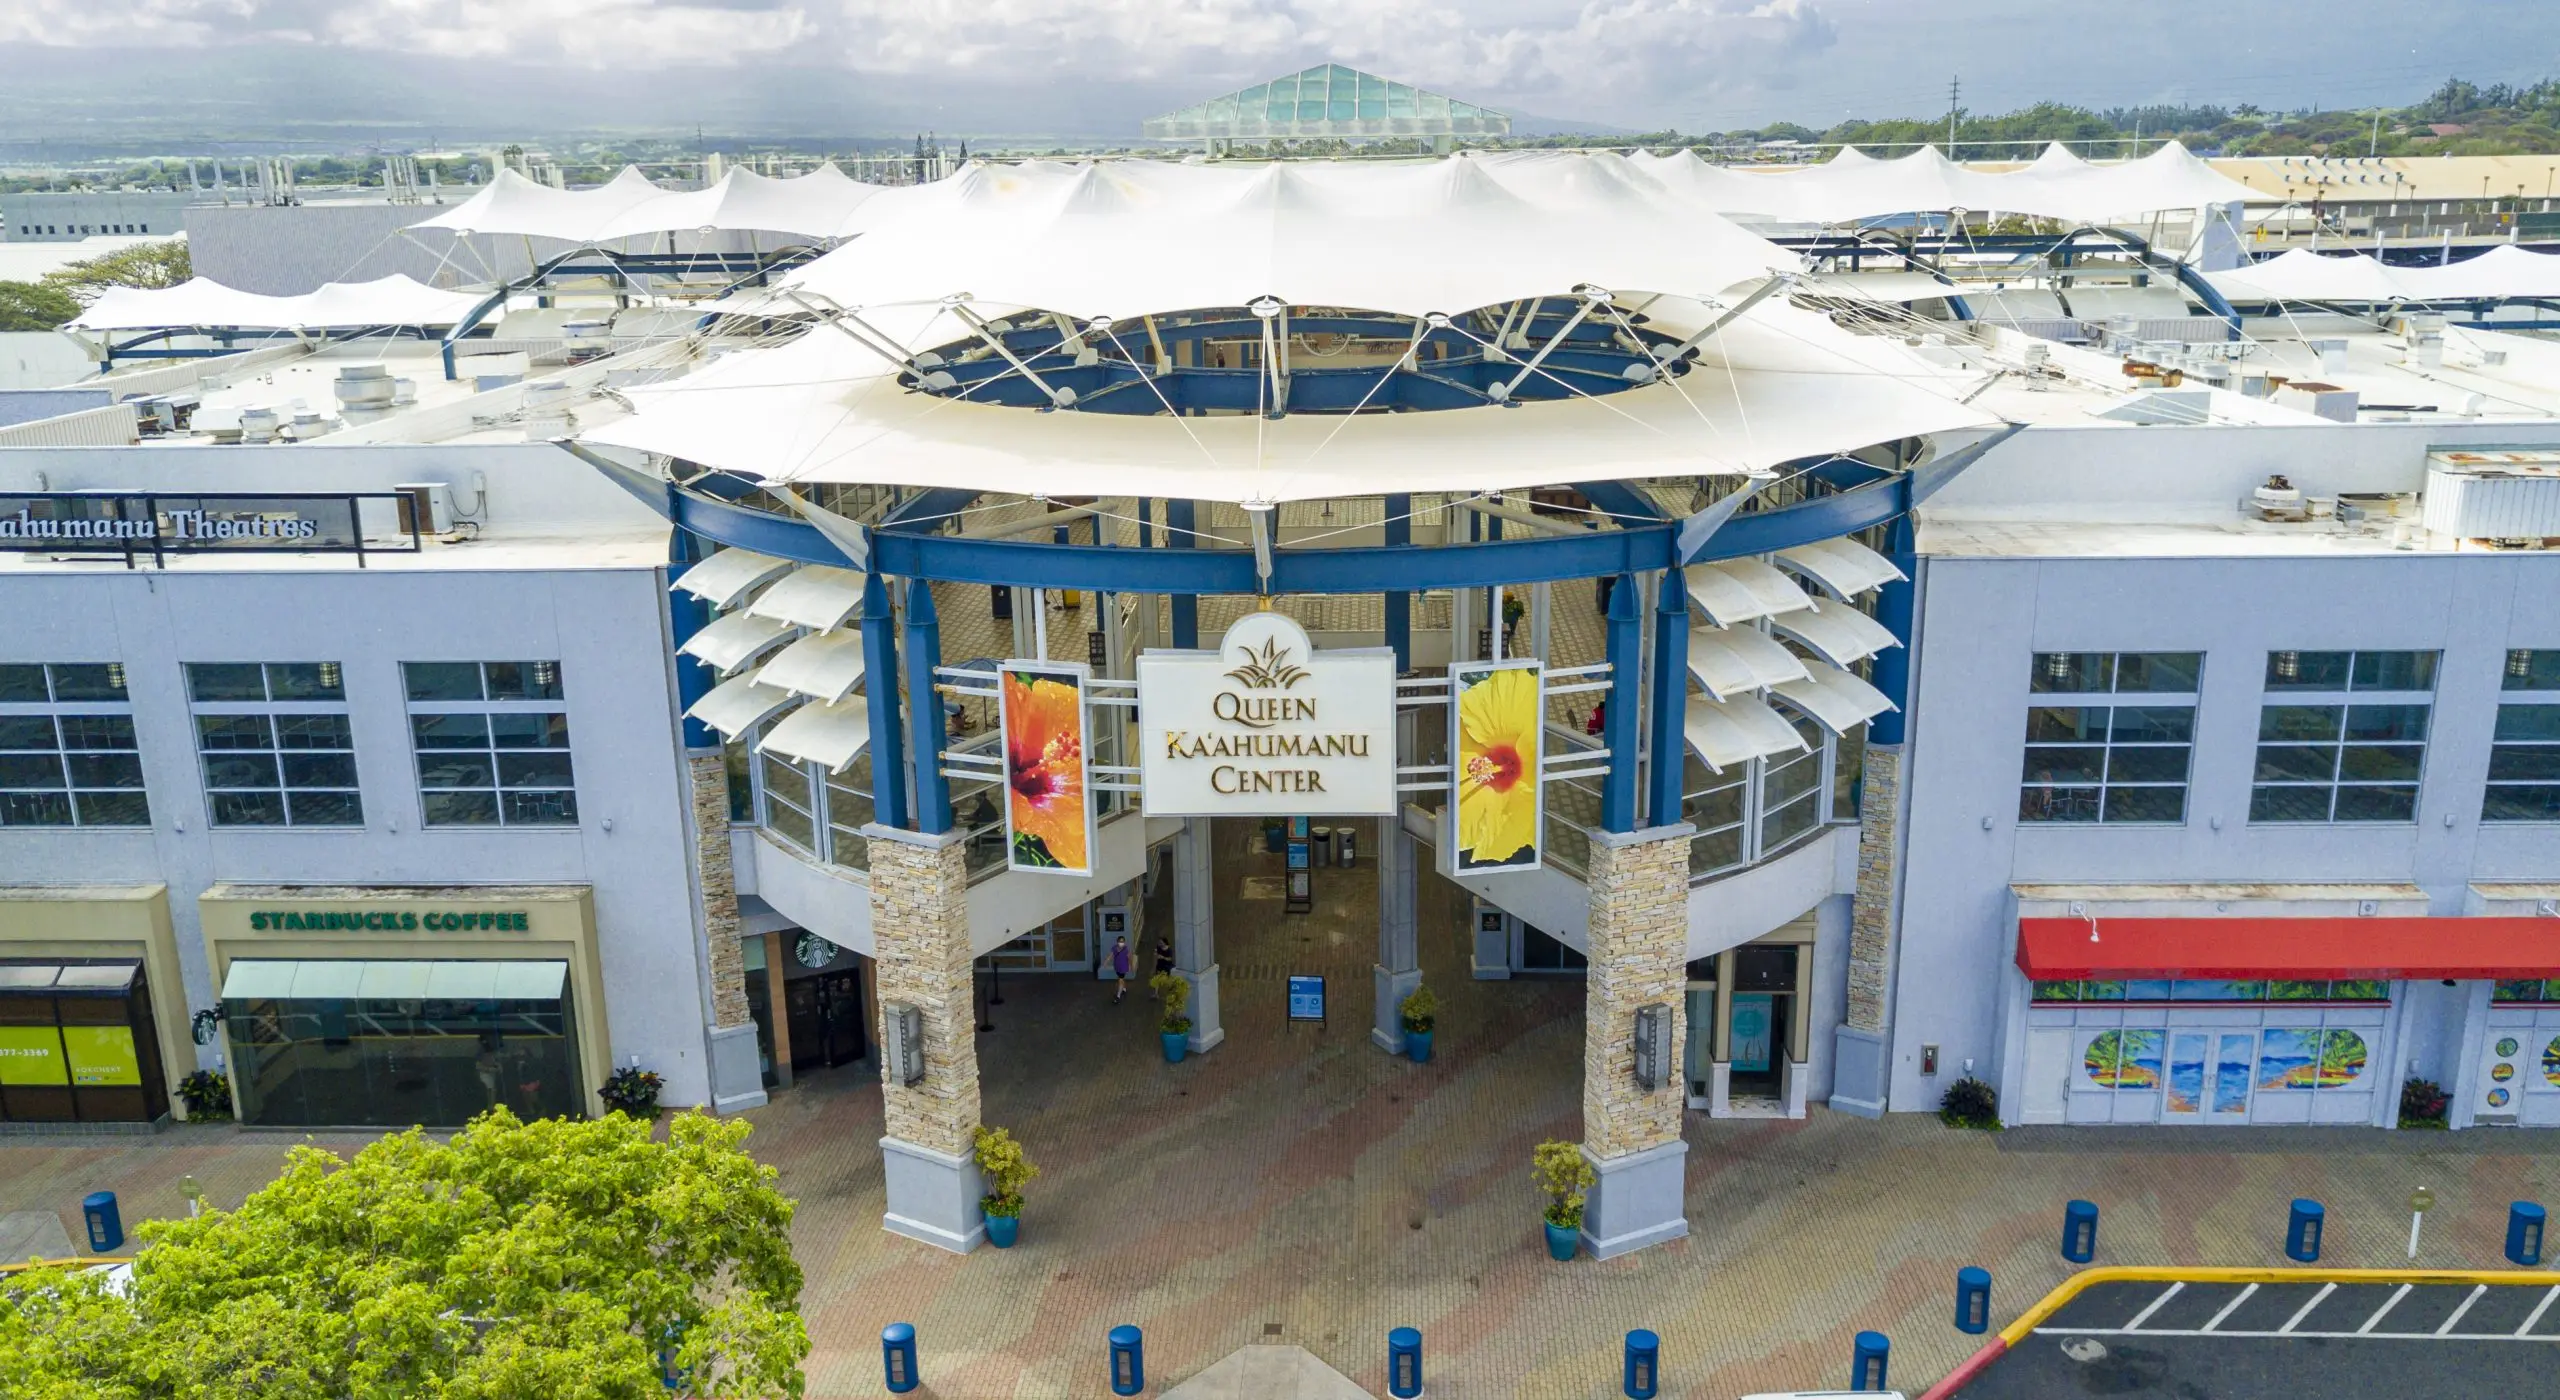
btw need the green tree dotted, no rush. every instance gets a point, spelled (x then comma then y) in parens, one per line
(554, 1259)
(34, 306)
(162, 264)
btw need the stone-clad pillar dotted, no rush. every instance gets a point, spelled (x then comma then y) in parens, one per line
(1399, 967)
(920, 934)
(1862, 1058)
(1195, 929)
(737, 1081)
(1639, 957)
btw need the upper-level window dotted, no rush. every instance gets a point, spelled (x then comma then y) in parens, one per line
(492, 740)
(67, 752)
(2342, 736)
(2524, 759)
(2110, 737)
(277, 746)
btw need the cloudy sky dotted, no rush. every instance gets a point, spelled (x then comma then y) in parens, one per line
(1097, 66)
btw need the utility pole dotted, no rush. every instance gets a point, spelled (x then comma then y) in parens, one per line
(2374, 146)
(1955, 90)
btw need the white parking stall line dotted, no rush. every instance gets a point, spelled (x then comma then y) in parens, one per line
(2156, 1305)
(2305, 1310)
(2476, 1290)
(2295, 1336)
(2387, 1305)
(2231, 1307)
(2539, 1309)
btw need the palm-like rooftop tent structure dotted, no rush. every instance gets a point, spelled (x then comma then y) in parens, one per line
(1328, 100)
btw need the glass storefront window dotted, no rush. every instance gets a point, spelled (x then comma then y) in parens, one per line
(396, 1044)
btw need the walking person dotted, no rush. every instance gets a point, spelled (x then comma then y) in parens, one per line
(1164, 955)
(1119, 968)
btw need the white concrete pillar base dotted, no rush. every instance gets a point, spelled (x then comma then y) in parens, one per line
(1637, 1201)
(1392, 988)
(933, 1196)
(737, 1081)
(1206, 1031)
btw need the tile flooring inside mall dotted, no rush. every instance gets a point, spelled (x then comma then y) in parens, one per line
(1299, 1186)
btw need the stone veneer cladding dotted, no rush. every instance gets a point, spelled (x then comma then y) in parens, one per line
(719, 890)
(920, 934)
(1639, 957)
(1871, 918)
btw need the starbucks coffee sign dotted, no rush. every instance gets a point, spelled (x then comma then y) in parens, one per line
(1267, 725)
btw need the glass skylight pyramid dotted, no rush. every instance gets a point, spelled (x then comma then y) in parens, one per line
(1327, 100)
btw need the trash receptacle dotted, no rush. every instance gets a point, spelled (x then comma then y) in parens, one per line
(1404, 1363)
(1867, 1357)
(1973, 1301)
(898, 1357)
(2080, 1231)
(1642, 1378)
(1348, 839)
(2302, 1231)
(1128, 1361)
(106, 1227)
(2524, 1234)
(1322, 850)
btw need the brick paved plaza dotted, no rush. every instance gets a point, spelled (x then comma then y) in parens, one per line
(1297, 1185)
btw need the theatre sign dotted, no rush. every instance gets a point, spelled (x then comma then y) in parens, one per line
(143, 523)
(1267, 725)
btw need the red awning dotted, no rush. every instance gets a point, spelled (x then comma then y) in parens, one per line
(2053, 950)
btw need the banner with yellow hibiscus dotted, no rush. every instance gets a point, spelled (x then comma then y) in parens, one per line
(1048, 810)
(1495, 709)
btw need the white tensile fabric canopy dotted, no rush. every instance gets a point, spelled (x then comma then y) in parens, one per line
(1131, 238)
(396, 300)
(1774, 385)
(2302, 275)
(1852, 186)
(814, 205)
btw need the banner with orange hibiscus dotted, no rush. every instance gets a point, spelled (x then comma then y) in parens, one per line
(1048, 810)
(1495, 764)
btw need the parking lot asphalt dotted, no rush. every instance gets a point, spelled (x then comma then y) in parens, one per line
(2310, 1340)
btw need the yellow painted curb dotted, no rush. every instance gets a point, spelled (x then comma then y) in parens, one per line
(75, 1261)
(2071, 1287)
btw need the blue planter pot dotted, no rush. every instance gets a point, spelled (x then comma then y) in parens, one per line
(1003, 1229)
(1417, 1047)
(1275, 840)
(1176, 1044)
(1562, 1243)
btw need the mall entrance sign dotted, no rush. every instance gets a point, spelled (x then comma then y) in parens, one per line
(1267, 725)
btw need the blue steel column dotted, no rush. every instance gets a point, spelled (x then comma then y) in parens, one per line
(1626, 692)
(1180, 517)
(1891, 671)
(687, 615)
(928, 726)
(1670, 698)
(1399, 604)
(880, 677)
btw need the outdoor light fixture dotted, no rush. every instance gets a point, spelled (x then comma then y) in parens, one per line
(115, 672)
(2288, 665)
(1653, 1045)
(904, 1028)
(2519, 666)
(329, 674)
(546, 674)
(2057, 667)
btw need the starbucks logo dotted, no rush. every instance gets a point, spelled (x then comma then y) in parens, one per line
(814, 951)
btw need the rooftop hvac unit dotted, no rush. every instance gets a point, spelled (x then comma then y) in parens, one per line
(2493, 495)
(426, 507)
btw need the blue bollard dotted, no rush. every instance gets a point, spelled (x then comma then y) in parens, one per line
(2080, 1231)
(1643, 1374)
(1128, 1360)
(1867, 1356)
(106, 1227)
(2302, 1232)
(2524, 1234)
(1973, 1301)
(898, 1357)
(1404, 1363)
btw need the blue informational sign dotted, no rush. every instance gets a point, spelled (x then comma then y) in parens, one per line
(1298, 827)
(1298, 858)
(1750, 1041)
(1306, 998)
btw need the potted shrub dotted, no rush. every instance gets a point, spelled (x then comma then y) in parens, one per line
(632, 1091)
(1275, 835)
(207, 1094)
(1418, 1011)
(1970, 1103)
(2423, 1103)
(1006, 1170)
(1174, 1026)
(1567, 1178)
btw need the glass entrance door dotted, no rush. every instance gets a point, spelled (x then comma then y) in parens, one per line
(2209, 1075)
